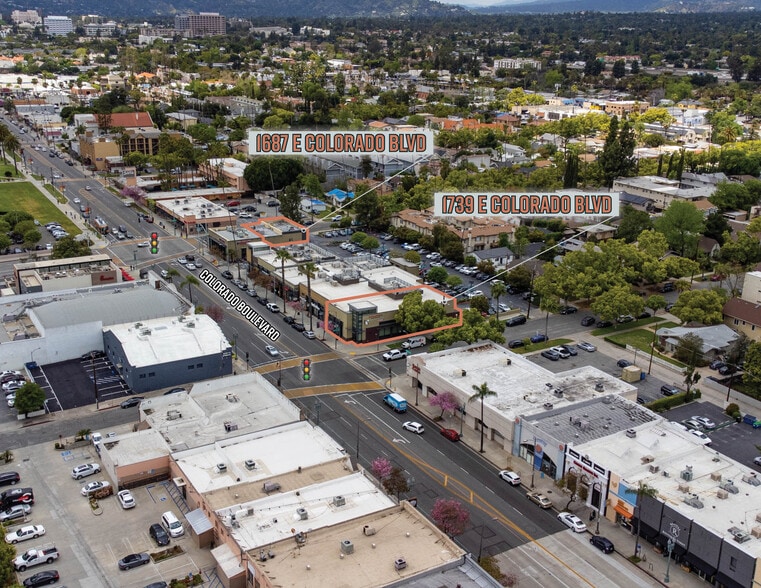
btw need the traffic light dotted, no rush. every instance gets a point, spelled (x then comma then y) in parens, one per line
(154, 243)
(306, 368)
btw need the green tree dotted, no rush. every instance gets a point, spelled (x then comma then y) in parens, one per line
(290, 202)
(411, 256)
(7, 571)
(70, 247)
(633, 222)
(437, 274)
(571, 483)
(171, 273)
(752, 372)
(272, 173)
(689, 350)
(29, 398)
(309, 269)
(617, 157)
(616, 301)
(395, 482)
(481, 392)
(682, 224)
(190, 281)
(715, 227)
(701, 306)
(480, 303)
(498, 289)
(452, 280)
(283, 255)
(519, 278)
(415, 315)
(732, 196)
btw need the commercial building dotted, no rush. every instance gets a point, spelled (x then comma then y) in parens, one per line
(58, 25)
(203, 24)
(226, 168)
(661, 192)
(158, 353)
(31, 17)
(523, 390)
(53, 275)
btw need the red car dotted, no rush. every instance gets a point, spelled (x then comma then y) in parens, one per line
(450, 434)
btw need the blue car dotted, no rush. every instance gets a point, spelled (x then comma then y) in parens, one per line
(538, 338)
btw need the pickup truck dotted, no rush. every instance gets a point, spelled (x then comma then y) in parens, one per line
(36, 556)
(396, 401)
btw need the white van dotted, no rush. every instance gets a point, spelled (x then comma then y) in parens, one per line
(172, 524)
(414, 342)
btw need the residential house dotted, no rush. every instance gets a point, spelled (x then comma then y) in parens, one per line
(716, 338)
(744, 313)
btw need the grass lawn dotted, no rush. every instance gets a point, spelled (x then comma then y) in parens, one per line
(641, 339)
(5, 167)
(25, 196)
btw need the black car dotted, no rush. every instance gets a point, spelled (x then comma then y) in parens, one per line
(669, 390)
(299, 327)
(94, 354)
(587, 321)
(568, 310)
(273, 203)
(174, 391)
(158, 534)
(9, 478)
(130, 402)
(288, 319)
(516, 343)
(516, 320)
(622, 363)
(716, 364)
(727, 369)
(603, 324)
(16, 496)
(603, 544)
(644, 315)
(134, 560)
(227, 275)
(249, 208)
(570, 349)
(42, 578)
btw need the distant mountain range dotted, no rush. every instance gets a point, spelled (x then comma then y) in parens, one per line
(363, 8)
(241, 8)
(621, 6)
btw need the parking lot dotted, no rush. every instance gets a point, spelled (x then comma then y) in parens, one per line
(71, 384)
(91, 541)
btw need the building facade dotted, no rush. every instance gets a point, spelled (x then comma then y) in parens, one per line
(58, 25)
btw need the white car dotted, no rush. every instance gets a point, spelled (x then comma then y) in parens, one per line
(76, 201)
(182, 261)
(91, 487)
(190, 266)
(144, 244)
(705, 422)
(309, 334)
(572, 522)
(272, 350)
(705, 439)
(394, 354)
(503, 307)
(510, 477)
(25, 533)
(87, 469)
(164, 274)
(584, 346)
(126, 499)
(414, 427)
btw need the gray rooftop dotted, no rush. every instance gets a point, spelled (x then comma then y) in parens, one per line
(592, 419)
(716, 337)
(110, 307)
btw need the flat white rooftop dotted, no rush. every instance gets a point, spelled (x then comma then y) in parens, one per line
(522, 387)
(166, 340)
(140, 446)
(274, 452)
(674, 450)
(247, 402)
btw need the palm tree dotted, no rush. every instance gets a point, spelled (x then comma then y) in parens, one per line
(283, 255)
(482, 392)
(497, 289)
(171, 273)
(309, 269)
(12, 144)
(4, 134)
(189, 281)
(642, 491)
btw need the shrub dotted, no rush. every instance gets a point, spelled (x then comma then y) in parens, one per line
(668, 402)
(731, 409)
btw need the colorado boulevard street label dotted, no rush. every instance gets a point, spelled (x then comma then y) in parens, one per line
(235, 302)
(570, 203)
(417, 142)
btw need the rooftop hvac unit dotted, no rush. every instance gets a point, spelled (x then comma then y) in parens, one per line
(631, 433)
(654, 469)
(221, 467)
(173, 415)
(302, 513)
(741, 536)
(367, 530)
(751, 479)
(508, 361)
(250, 464)
(400, 563)
(693, 501)
(347, 547)
(339, 501)
(686, 474)
(599, 387)
(716, 476)
(145, 332)
(549, 406)
(729, 487)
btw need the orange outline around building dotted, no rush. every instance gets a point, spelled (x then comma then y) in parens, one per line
(384, 293)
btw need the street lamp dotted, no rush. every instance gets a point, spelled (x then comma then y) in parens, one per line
(33, 350)
(670, 548)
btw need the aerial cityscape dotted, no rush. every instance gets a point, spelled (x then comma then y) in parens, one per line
(389, 294)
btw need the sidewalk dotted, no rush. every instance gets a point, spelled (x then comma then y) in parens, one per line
(653, 564)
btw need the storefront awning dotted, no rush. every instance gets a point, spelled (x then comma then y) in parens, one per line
(622, 511)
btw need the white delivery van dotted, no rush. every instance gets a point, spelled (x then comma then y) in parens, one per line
(172, 524)
(414, 342)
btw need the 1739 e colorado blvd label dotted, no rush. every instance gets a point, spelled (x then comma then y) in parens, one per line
(570, 203)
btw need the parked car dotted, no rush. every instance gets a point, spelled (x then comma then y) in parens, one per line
(603, 324)
(513, 343)
(584, 346)
(669, 390)
(91, 487)
(572, 522)
(692, 424)
(394, 354)
(9, 478)
(132, 401)
(19, 511)
(551, 354)
(602, 543)
(561, 351)
(272, 350)
(126, 499)
(158, 534)
(705, 422)
(623, 363)
(705, 439)
(588, 321)
(757, 460)
(727, 369)
(42, 578)
(87, 469)
(134, 560)
(625, 318)
(538, 338)
(570, 349)
(227, 275)
(510, 477)
(539, 499)
(309, 334)
(514, 321)
(25, 533)
(414, 427)
(450, 434)
(716, 364)
(16, 496)
(568, 310)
